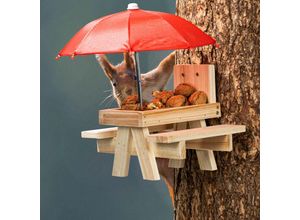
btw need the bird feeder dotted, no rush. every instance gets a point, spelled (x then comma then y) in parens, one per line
(166, 133)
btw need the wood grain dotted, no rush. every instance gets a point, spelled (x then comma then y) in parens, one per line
(196, 133)
(145, 154)
(117, 117)
(122, 153)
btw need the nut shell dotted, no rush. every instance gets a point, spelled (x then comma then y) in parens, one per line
(198, 97)
(176, 101)
(163, 96)
(184, 89)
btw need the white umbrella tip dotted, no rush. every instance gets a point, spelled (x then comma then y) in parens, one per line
(132, 6)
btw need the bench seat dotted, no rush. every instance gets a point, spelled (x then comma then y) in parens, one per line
(195, 133)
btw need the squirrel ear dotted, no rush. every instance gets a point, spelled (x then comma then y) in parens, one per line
(107, 67)
(129, 59)
(167, 64)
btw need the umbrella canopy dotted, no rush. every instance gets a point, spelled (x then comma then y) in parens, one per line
(135, 30)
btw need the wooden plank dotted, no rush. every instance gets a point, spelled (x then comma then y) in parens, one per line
(122, 153)
(206, 158)
(172, 150)
(196, 133)
(164, 116)
(112, 132)
(178, 163)
(145, 154)
(159, 128)
(118, 117)
(100, 133)
(201, 76)
(219, 143)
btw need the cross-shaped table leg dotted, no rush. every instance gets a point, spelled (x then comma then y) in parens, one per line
(145, 154)
(122, 153)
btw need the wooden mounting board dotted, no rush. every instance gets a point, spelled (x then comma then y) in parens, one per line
(164, 116)
(201, 76)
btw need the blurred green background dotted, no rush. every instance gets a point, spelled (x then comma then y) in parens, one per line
(76, 182)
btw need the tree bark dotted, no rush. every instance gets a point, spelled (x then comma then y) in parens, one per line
(231, 192)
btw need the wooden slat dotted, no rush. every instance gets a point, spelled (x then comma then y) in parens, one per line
(173, 150)
(112, 132)
(122, 153)
(219, 143)
(178, 163)
(118, 117)
(100, 133)
(196, 133)
(164, 116)
(145, 154)
(206, 158)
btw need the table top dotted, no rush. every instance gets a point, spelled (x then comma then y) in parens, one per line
(130, 118)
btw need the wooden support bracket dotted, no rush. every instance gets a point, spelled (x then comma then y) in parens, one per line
(178, 163)
(206, 158)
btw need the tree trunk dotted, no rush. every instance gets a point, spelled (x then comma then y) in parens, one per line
(231, 192)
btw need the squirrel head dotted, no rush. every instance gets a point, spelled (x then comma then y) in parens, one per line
(122, 76)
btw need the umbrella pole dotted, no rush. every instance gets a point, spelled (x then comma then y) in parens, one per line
(138, 79)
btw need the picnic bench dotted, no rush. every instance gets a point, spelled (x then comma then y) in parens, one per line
(168, 132)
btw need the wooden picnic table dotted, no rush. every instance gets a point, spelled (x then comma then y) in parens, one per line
(168, 132)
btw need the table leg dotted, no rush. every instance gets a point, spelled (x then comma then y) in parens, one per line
(206, 158)
(178, 163)
(145, 154)
(122, 153)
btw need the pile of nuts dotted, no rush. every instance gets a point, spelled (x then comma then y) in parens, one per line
(183, 95)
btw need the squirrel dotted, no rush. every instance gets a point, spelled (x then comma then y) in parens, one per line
(123, 81)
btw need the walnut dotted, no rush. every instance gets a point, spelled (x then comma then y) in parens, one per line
(176, 101)
(184, 89)
(198, 97)
(163, 96)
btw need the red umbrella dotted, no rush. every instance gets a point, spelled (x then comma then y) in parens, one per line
(135, 30)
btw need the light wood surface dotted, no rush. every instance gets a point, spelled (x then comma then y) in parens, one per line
(104, 133)
(100, 133)
(122, 153)
(145, 154)
(117, 117)
(178, 163)
(219, 143)
(206, 158)
(172, 150)
(196, 133)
